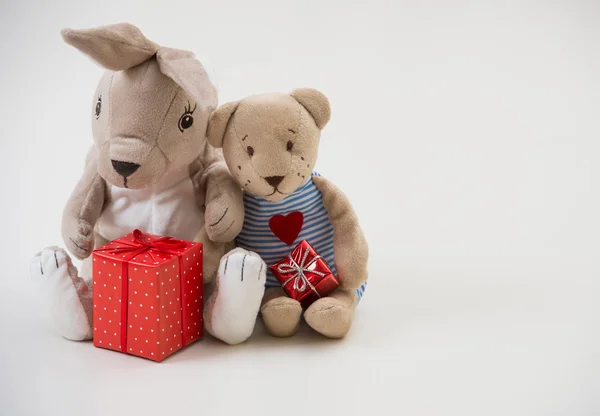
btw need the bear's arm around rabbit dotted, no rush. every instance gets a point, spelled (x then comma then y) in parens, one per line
(214, 193)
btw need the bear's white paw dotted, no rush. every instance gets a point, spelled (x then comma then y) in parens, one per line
(54, 272)
(241, 285)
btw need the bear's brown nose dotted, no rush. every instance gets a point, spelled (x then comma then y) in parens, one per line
(274, 180)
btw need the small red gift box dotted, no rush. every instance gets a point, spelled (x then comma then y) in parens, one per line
(304, 274)
(147, 295)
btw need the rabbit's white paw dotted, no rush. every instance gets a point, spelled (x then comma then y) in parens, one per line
(70, 298)
(241, 285)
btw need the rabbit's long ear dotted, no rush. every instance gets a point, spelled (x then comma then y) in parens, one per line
(115, 47)
(183, 68)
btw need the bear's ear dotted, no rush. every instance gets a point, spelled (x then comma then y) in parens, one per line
(183, 68)
(115, 47)
(315, 103)
(217, 124)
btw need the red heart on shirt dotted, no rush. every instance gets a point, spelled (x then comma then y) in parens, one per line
(287, 227)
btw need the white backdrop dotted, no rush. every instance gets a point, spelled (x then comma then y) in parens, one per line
(466, 135)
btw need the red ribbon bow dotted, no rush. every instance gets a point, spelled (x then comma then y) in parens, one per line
(141, 243)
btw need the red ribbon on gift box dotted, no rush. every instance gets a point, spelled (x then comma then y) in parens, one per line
(141, 244)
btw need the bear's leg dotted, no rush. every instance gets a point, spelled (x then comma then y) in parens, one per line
(332, 315)
(231, 310)
(281, 314)
(69, 295)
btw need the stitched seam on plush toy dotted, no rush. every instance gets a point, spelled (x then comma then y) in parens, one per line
(162, 125)
(110, 108)
(161, 151)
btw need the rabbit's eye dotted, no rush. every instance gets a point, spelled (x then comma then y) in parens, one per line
(186, 120)
(98, 107)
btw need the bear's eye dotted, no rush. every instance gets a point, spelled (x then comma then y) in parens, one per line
(186, 120)
(250, 150)
(98, 107)
(290, 146)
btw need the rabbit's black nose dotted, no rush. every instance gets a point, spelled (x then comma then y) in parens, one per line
(124, 169)
(274, 180)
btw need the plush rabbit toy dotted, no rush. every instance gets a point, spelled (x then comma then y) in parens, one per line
(150, 166)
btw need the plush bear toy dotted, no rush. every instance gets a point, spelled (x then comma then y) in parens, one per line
(150, 167)
(270, 144)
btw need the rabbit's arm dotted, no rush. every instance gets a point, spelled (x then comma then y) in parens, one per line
(350, 249)
(221, 195)
(83, 210)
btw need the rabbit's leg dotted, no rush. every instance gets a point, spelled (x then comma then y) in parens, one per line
(231, 311)
(70, 296)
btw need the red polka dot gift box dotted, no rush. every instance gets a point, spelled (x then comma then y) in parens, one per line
(147, 295)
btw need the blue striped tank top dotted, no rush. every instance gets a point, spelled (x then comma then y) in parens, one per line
(256, 235)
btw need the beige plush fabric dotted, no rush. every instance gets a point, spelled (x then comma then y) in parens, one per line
(139, 122)
(316, 103)
(270, 143)
(149, 118)
(281, 314)
(83, 210)
(153, 113)
(187, 72)
(115, 47)
(351, 251)
(224, 213)
(218, 122)
(332, 316)
(282, 142)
